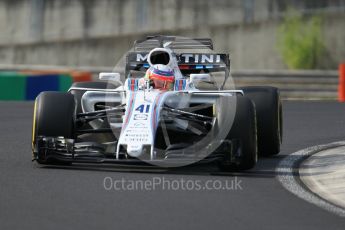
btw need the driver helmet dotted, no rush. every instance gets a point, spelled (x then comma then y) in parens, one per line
(161, 76)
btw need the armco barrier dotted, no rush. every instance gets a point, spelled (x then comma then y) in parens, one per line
(38, 83)
(300, 85)
(12, 86)
(77, 76)
(341, 86)
(65, 82)
(20, 86)
(47, 82)
(295, 85)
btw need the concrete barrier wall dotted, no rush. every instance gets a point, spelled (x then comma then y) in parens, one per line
(28, 21)
(98, 33)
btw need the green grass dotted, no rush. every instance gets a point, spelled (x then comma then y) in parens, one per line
(299, 40)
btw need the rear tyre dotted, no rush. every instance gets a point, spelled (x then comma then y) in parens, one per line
(54, 116)
(243, 130)
(269, 117)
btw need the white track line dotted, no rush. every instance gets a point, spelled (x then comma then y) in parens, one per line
(287, 174)
(324, 174)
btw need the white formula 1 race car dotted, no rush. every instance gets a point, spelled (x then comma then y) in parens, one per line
(119, 119)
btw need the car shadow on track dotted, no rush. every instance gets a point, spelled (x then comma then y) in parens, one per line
(264, 169)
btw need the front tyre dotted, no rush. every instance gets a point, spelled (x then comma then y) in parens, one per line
(54, 116)
(244, 130)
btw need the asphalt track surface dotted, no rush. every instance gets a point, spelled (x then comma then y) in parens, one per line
(74, 197)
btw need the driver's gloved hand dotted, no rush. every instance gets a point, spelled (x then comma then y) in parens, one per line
(151, 83)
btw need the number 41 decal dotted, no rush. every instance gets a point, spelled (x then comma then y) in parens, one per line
(142, 108)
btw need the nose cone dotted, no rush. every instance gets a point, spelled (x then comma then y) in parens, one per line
(134, 150)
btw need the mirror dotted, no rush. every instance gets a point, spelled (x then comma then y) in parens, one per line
(194, 78)
(110, 77)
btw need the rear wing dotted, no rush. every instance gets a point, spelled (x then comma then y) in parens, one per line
(187, 62)
(175, 43)
(193, 62)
